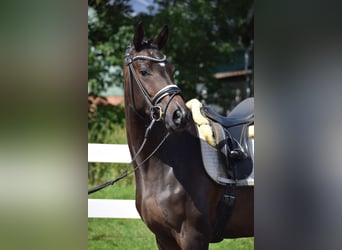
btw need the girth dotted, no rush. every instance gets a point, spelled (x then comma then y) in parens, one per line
(225, 147)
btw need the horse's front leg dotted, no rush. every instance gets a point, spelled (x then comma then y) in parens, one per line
(167, 243)
(190, 239)
(190, 243)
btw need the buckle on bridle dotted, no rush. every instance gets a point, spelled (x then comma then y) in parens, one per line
(156, 113)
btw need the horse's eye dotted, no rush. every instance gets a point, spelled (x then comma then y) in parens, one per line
(143, 72)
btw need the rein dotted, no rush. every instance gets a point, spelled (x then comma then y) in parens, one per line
(156, 113)
(126, 172)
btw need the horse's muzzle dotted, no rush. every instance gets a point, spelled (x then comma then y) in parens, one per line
(180, 117)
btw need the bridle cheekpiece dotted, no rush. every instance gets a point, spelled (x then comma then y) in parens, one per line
(172, 90)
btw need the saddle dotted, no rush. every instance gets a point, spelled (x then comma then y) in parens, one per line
(227, 142)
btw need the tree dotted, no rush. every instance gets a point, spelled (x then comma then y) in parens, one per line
(109, 32)
(109, 29)
(203, 35)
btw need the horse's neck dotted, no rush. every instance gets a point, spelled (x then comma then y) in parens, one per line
(135, 133)
(136, 130)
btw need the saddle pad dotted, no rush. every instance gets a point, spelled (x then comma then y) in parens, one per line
(214, 166)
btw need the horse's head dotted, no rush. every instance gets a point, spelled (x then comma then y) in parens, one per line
(149, 86)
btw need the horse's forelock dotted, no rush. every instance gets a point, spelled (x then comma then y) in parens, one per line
(148, 44)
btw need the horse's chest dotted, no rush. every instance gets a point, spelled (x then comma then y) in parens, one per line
(165, 207)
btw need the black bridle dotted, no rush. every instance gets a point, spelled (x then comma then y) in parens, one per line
(153, 102)
(157, 112)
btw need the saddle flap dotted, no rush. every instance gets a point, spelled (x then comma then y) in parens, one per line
(234, 144)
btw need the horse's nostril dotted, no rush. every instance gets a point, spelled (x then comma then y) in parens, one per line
(177, 117)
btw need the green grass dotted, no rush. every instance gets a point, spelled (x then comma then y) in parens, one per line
(118, 191)
(119, 234)
(133, 234)
(236, 244)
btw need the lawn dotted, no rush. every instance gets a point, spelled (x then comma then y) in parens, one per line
(133, 234)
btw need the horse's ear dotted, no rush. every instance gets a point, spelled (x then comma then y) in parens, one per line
(138, 36)
(162, 37)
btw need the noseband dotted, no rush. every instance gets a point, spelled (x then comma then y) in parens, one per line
(172, 90)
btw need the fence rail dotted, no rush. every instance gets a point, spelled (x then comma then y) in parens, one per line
(112, 153)
(106, 208)
(103, 208)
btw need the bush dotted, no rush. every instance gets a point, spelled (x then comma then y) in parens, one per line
(107, 125)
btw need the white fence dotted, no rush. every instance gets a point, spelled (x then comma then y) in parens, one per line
(105, 208)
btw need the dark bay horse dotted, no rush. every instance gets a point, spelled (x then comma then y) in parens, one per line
(174, 196)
